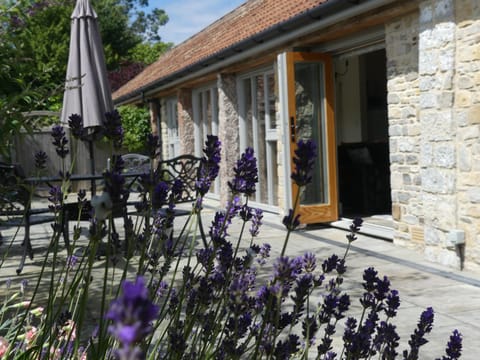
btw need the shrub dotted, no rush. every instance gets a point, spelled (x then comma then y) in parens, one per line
(188, 301)
(136, 126)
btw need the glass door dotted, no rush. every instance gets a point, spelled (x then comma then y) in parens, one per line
(311, 116)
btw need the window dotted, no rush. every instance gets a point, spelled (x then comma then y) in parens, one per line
(173, 141)
(205, 118)
(258, 129)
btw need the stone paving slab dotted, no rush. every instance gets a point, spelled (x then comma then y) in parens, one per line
(454, 294)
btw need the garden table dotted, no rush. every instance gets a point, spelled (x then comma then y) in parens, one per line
(70, 209)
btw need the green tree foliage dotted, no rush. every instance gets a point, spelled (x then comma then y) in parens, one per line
(16, 94)
(136, 127)
(34, 43)
(148, 53)
(45, 34)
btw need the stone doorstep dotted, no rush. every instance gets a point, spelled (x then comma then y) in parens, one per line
(368, 228)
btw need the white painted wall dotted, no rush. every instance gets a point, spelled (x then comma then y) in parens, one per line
(348, 100)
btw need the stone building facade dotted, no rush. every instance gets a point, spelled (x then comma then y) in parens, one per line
(430, 54)
(433, 67)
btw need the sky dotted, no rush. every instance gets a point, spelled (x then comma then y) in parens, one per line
(187, 17)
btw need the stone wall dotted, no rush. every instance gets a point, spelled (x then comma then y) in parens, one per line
(433, 62)
(467, 122)
(439, 133)
(401, 38)
(227, 130)
(185, 121)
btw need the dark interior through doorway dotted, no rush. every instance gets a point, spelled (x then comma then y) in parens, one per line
(362, 135)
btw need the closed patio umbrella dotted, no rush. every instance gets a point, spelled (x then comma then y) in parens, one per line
(87, 91)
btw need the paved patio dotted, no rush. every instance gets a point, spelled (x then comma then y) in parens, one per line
(454, 294)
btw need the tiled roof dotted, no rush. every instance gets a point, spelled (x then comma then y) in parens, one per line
(249, 19)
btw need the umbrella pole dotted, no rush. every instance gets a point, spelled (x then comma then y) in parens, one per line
(93, 188)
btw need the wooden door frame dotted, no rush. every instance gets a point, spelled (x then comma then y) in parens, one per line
(322, 212)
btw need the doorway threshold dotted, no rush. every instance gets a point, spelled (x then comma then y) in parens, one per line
(378, 226)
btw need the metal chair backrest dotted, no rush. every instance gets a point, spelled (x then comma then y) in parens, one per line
(136, 163)
(186, 169)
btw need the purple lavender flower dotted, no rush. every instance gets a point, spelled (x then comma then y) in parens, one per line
(382, 289)
(60, 141)
(23, 285)
(159, 196)
(309, 262)
(393, 303)
(330, 356)
(238, 292)
(75, 122)
(369, 279)
(131, 353)
(354, 229)
(386, 340)
(55, 197)
(132, 313)
(176, 339)
(152, 145)
(329, 307)
(220, 224)
(177, 188)
(205, 256)
(264, 253)
(454, 347)
(246, 213)
(72, 260)
(357, 344)
(330, 263)
(309, 328)
(246, 174)
(118, 164)
(81, 196)
(326, 340)
(41, 158)
(284, 349)
(286, 270)
(417, 339)
(233, 207)
(304, 161)
(343, 306)
(209, 165)
(162, 289)
(291, 221)
(114, 185)
(257, 217)
(224, 256)
(113, 128)
(16, 22)
(303, 284)
(349, 332)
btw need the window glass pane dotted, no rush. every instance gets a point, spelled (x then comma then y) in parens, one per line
(248, 112)
(271, 101)
(205, 115)
(274, 173)
(173, 147)
(311, 125)
(258, 111)
(209, 114)
(260, 141)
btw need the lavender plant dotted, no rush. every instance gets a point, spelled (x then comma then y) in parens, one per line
(222, 298)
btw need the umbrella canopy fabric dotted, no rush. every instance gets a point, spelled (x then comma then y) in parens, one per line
(87, 91)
